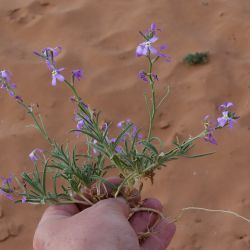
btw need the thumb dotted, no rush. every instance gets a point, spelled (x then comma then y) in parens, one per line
(115, 206)
(56, 212)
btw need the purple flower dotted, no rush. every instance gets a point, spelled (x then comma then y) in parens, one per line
(142, 75)
(50, 65)
(155, 77)
(51, 52)
(226, 119)
(6, 75)
(72, 99)
(119, 150)
(24, 199)
(105, 127)
(12, 85)
(113, 140)
(6, 186)
(80, 124)
(78, 74)
(11, 93)
(7, 195)
(224, 106)
(84, 105)
(151, 31)
(210, 128)
(144, 48)
(121, 124)
(35, 154)
(140, 136)
(7, 181)
(3, 86)
(57, 76)
(19, 98)
(135, 133)
(209, 138)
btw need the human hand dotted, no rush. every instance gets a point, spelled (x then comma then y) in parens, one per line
(103, 226)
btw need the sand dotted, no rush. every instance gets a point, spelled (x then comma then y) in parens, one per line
(101, 36)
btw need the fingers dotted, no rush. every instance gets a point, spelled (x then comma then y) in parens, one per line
(59, 212)
(142, 221)
(114, 206)
(160, 237)
(159, 232)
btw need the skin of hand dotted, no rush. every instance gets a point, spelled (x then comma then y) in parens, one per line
(103, 226)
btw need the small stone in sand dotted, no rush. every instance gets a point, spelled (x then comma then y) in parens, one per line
(221, 14)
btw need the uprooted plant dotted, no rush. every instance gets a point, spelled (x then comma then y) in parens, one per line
(64, 175)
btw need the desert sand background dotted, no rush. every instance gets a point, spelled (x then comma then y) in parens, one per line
(100, 36)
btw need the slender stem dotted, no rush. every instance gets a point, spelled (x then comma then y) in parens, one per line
(73, 90)
(88, 150)
(41, 128)
(85, 199)
(73, 201)
(163, 98)
(123, 183)
(194, 138)
(153, 108)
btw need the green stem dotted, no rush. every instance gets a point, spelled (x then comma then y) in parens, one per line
(126, 179)
(153, 109)
(73, 90)
(41, 128)
(201, 135)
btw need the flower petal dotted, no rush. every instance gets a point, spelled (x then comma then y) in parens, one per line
(53, 80)
(153, 50)
(60, 77)
(153, 39)
(221, 121)
(163, 46)
(140, 50)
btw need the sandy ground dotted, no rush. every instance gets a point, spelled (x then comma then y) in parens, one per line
(101, 37)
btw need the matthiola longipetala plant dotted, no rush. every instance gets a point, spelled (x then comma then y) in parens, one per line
(63, 175)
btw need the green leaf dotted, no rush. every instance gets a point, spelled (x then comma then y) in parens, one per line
(199, 155)
(44, 178)
(151, 147)
(120, 136)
